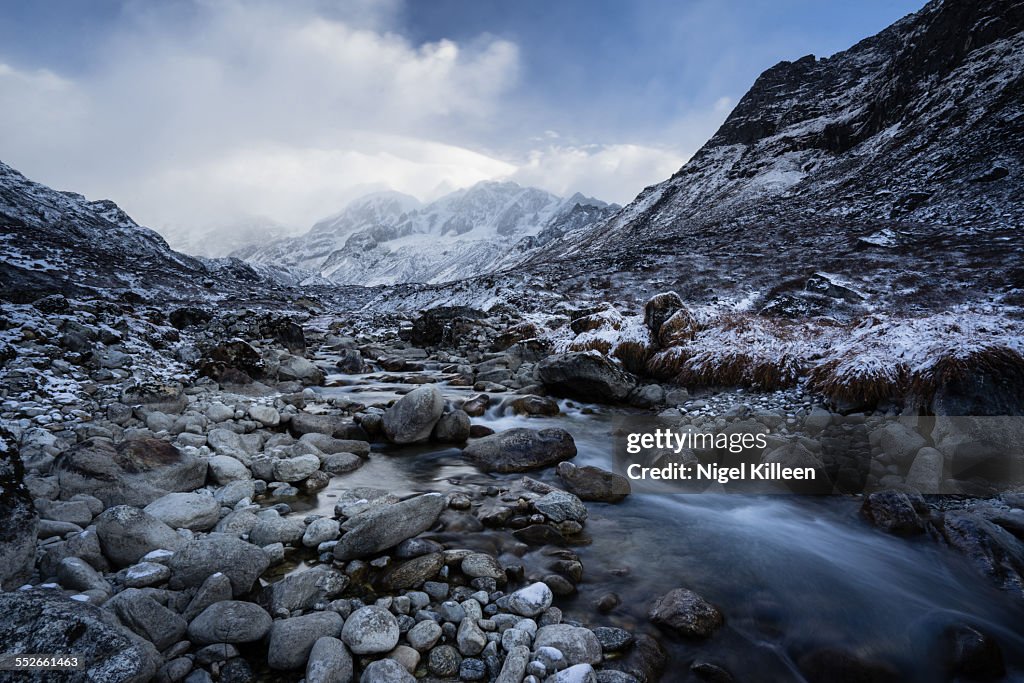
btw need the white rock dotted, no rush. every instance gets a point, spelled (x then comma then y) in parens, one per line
(531, 600)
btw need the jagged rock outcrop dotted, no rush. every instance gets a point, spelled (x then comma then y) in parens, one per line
(18, 532)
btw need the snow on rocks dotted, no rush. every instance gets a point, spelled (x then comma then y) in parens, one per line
(530, 601)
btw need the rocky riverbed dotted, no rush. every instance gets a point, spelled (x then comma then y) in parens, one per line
(196, 495)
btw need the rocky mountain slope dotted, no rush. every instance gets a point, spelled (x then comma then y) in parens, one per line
(885, 177)
(388, 238)
(61, 242)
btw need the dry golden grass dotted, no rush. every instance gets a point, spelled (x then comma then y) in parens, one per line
(856, 380)
(998, 361)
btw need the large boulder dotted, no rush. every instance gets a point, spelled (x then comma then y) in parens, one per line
(140, 612)
(301, 591)
(380, 528)
(299, 369)
(660, 308)
(444, 325)
(795, 455)
(230, 621)
(186, 511)
(197, 559)
(39, 621)
(291, 640)
(329, 662)
(593, 483)
(18, 531)
(135, 472)
(521, 449)
(686, 613)
(413, 416)
(330, 425)
(989, 546)
(585, 376)
(371, 630)
(897, 511)
(579, 645)
(296, 469)
(234, 360)
(127, 533)
(166, 397)
(453, 427)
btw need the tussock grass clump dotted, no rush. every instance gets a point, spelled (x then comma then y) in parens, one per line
(859, 378)
(881, 359)
(585, 342)
(744, 350)
(634, 345)
(993, 360)
(667, 363)
(876, 359)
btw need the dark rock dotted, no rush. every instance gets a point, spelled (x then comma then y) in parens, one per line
(241, 562)
(285, 332)
(444, 660)
(143, 614)
(645, 661)
(127, 533)
(712, 673)
(896, 511)
(443, 326)
(18, 531)
(539, 534)
(235, 355)
(386, 526)
(586, 376)
(972, 654)
(535, 405)
(189, 316)
(350, 362)
(993, 550)
(521, 450)
(135, 472)
(593, 483)
(304, 589)
(660, 308)
(613, 639)
(686, 613)
(412, 573)
(38, 621)
(331, 425)
(291, 640)
(476, 405)
(453, 427)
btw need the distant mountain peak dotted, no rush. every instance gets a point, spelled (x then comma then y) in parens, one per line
(389, 237)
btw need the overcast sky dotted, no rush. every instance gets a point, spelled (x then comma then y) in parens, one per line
(197, 114)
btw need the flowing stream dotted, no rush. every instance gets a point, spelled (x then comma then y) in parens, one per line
(792, 575)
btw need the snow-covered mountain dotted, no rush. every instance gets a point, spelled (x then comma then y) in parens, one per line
(389, 237)
(896, 167)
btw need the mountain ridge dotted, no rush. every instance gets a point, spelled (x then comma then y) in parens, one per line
(390, 238)
(918, 131)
